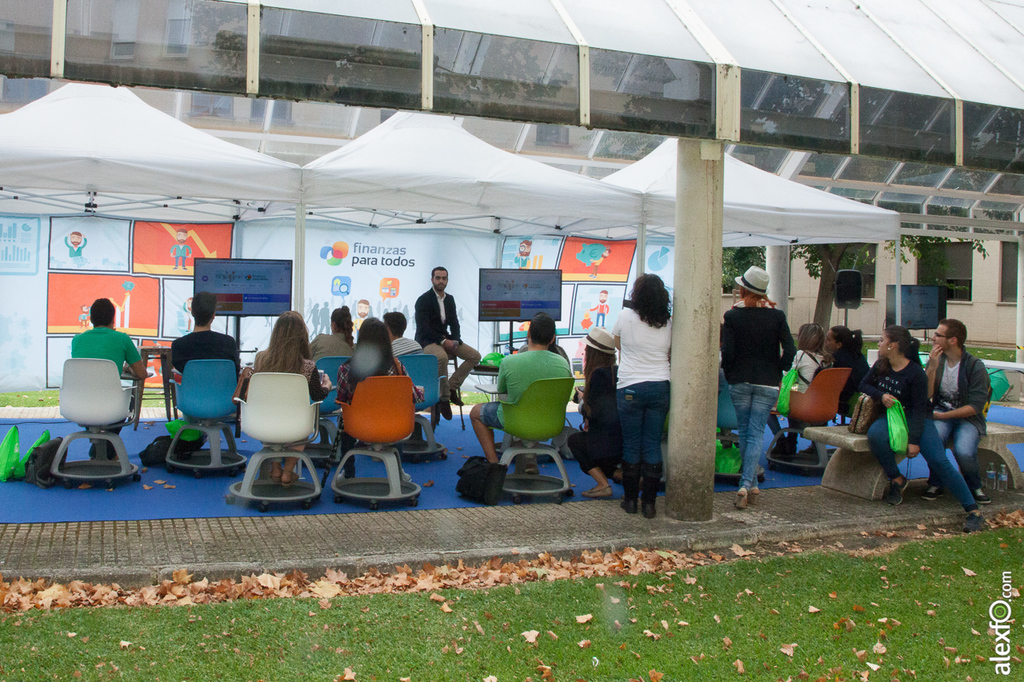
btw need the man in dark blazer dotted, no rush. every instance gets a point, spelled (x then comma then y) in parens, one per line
(437, 330)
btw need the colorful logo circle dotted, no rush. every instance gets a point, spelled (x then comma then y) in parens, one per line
(334, 254)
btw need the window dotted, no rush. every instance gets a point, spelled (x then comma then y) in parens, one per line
(125, 26)
(552, 136)
(179, 28)
(949, 264)
(23, 90)
(220, 106)
(1008, 272)
(282, 111)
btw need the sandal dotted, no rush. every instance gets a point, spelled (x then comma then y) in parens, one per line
(741, 499)
(752, 495)
(288, 477)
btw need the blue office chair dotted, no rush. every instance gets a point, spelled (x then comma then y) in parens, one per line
(204, 397)
(422, 369)
(324, 451)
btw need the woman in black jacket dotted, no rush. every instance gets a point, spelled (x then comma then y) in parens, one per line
(898, 376)
(598, 448)
(846, 346)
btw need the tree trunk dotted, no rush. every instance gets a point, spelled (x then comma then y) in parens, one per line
(831, 254)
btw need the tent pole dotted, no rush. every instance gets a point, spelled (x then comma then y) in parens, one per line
(777, 264)
(696, 304)
(899, 281)
(300, 259)
(1020, 297)
(641, 246)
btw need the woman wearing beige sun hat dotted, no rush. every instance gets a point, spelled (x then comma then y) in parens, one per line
(598, 448)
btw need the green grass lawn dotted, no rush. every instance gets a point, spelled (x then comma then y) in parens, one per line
(921, 608)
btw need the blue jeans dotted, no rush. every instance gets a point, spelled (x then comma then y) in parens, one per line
(643, 409)
(934, 452)
(753, 404)
(964, 436)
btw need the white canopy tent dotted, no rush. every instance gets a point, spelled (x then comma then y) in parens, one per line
(760, 208)
(84, 139)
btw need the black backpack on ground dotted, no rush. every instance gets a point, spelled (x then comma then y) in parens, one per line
(155, 454)
(37, 466)
(481, 481)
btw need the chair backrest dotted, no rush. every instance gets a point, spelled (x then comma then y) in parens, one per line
(206, 389)
(276, 408)
(91, 393)
(540, 412)
(422, 368)
(820, 402)
(329, 365)
(382, 410)
(726, 410)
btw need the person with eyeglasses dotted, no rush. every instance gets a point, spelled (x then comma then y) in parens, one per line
(958, 388)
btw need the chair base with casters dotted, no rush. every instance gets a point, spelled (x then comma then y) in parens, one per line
(421, 443)
(375, 489)
(257, 486)
(799, 466)
(214, 459)
(99, 469)
(535, 484)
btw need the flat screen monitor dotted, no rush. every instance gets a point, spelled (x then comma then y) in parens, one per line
(514, 295)
(246, 286)
(921, 306)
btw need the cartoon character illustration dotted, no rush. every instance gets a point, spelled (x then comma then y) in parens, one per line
(187, 307)
(362, 312)
(601, 308)
(83, 319)
(522, 259)
(587, 323)
(181, 250)
(75, 241)
(591, 255)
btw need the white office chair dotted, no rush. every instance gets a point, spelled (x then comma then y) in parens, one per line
(91, 396)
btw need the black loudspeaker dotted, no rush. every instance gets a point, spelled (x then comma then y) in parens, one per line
(848, 289)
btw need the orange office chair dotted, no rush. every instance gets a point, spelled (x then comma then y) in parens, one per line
(815, 407)
(381, 415)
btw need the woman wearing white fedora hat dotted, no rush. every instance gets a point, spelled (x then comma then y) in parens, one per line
(598, 448)
(757, 348)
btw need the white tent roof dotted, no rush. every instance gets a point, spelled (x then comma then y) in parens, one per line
(760, 208)
(420, 162)
(97, 138)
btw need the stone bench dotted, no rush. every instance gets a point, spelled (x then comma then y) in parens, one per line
(855, 471)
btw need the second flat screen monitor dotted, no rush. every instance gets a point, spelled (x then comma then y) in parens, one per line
(514, 295)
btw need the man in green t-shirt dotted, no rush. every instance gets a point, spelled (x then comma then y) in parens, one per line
(105, 343)
(517, 372)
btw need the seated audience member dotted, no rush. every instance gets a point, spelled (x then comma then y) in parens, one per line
(339, 342)
(203, 343)
(958, 386)
(396, 324)
(845, 346)
(288, 351)
(810, 357)
(598, 447)
(105, 343)
(372, 357)
(898, 376)
(515, 375)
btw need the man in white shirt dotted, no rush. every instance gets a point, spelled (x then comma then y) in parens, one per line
(396, 324)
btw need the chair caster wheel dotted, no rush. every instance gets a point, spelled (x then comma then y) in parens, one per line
(558, 500)
(235, 472)
(337, 499)
(373, 506)
(67, 484)
(109, 483)
(517, 499)
(263, 506)
(569, 493)
(307, 504)
(170, 468)
(760, 478)
(230, 499)
(414, 502)
(415, 459)
(772, 466)
(443, 455)
(136, 477)
(199, 474)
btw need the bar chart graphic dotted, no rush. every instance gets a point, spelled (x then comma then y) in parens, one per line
(19, 245)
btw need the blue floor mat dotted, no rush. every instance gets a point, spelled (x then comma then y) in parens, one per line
(205, 497)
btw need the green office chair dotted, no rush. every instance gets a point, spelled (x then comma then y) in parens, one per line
(538, 416)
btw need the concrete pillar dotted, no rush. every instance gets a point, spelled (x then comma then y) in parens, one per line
(641, 248)
(1020, 297)
(299, 263)
(777, 265)
(696, 304)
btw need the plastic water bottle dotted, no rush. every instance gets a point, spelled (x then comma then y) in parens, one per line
(990, 477)
(1003, 477)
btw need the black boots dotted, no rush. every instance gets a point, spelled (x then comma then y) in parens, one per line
(649, 488)
(630, 487)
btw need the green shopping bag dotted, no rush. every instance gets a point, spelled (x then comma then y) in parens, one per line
(19, 468)
(785, 388)
(175, 425)
(728, 459)
(9, 454)
(898, 434)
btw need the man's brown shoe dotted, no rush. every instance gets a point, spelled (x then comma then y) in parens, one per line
(445, 408)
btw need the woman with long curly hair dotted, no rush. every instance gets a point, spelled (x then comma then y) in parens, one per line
(643, 334)
(598, 447)
(288, 351)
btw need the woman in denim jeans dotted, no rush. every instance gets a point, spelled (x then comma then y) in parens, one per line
(756, 348)
(643, 334)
